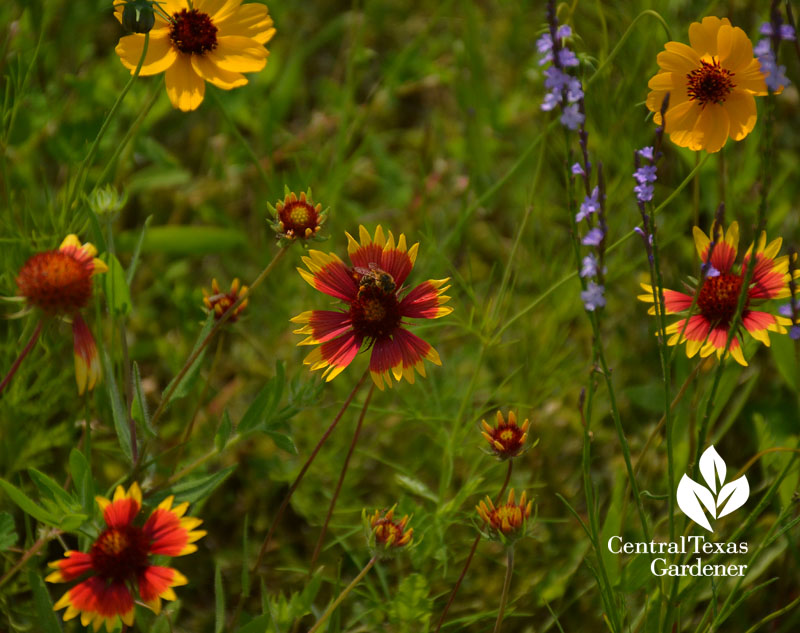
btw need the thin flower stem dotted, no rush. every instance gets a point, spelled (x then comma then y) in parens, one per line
(329, 611)
(21, 357)
(80, 177)
(237, 133)
(284, 504)
(216, 328)
(506, 585)
(336, 492)
(44, 540)
(468, 561)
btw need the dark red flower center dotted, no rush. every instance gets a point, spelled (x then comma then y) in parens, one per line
(387, 531)
(375, 313)
(120, 553)
(719, 296)
(298, 216)
(509, 437)
(193, 32)
(56, 282)
(711, 83)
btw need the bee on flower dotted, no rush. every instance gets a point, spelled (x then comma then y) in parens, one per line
(59, 284)
(119, 565)
(506, 439)
(192, 43)
(507, 521)
(297, 218)
(712, 84)
(219, 302)
(715, 297)
(377, 304)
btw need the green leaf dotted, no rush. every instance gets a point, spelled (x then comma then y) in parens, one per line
(82, 477)
(415, 486)
(8, 532)
(71, 522)
(27, 505)
(115, 287)
(117, 408)
(187, 240)
(224, 431)
(196, 489)
(219, 598)
(263, 408)
(411, 607)
(186, 383)
(43, 606)
(137, 251)
(139, 410)
(261, 624)
(283, 441)
(51, 491)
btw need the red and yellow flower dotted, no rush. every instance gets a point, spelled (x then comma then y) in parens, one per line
(118, 566)
(711, 85)
(377, 304)
(213, 41)
(506, 518)
(219, 302)
(297, 217)
(386, 532)
(706, 329)
(506, 439)
(59, 283)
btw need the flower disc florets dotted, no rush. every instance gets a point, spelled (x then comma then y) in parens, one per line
(507, 439)
(297, 217)
(219, 302)
(507, 521)
(192, 31)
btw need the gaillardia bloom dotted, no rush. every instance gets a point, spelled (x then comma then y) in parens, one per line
(372, 286)
(507, 518)
(218, 302)
(118, 565)
(717, 295)
(711, 85)
(203, 40)
(59, 282)
(507, 439)
(386, 533)
(297, 217)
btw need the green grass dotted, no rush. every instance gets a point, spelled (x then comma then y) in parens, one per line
(422, 117)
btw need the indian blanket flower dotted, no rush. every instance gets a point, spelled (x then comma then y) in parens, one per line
(297, 217)
(218, 302)
(119, 563)
(59, 283)
(506, 519)
(377, 304)
(507, 439)
(203, 41)
(711, 86)
(385, 535)
(716, 297)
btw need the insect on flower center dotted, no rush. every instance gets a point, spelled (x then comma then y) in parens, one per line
(193, 32)
(120, 553)
(56, 282)
(375, 312)
(719, 297)
(711, 83)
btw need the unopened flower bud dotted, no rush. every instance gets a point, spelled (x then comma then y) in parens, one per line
(138, 16)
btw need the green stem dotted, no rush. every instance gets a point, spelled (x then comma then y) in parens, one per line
(329, 611)
(80, 177)
(504, 596)
(216, 328)
(21, 357)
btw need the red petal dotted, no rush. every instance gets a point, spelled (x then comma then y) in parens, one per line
(166, 535)
(155, 581)
(755, 321)
(341, 351)
(768, 282)
(722, 257)
(75, 564)
(328, 324)
(397, 263)
(422, 302)
(120, 513)
(675, 301)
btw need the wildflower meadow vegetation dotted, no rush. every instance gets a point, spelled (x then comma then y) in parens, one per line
(399, 316)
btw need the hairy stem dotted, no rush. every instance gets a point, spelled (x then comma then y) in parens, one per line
(506, 585)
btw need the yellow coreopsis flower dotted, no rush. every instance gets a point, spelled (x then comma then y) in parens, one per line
(203, 40)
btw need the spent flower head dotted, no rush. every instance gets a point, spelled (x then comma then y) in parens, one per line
(219, 302)
(297, 218)
(506, 439)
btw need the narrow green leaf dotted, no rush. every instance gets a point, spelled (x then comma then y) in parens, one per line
(139, 410)
(261, 624)
(117, 408)
(51, 490)
(82, 477)
(43, 606)
(223, 434)
(283, 441)
(185, 385)
(196, 489)
(262, 408)
(8, 532)
(115, 286)
(416, 487)
(27, 505)
(219, 596)
(136, 252)
(187, 240)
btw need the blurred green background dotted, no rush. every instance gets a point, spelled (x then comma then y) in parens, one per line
(422, 117)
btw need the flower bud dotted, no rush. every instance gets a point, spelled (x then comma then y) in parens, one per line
(107, 202)
(138, 16)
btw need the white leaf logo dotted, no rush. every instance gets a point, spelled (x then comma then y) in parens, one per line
(692, 497)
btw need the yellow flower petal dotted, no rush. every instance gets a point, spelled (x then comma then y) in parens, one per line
(160, 53)
(741, 107)
(239, 54)
(212, 73)
(735, 49)
(713, 125)
(251, 20)
(185, 87)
